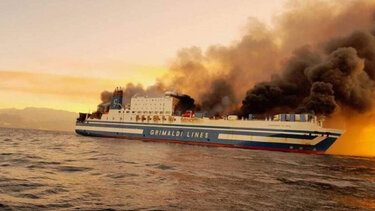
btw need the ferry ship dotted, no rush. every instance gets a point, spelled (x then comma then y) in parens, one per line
(156, 119)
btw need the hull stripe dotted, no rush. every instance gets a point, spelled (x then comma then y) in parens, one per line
(332, 133)
(218, 145)
(312, 142)
(222, 136)
(111, 129)
(217, 129)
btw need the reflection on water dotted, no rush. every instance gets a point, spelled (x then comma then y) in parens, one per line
(43, 170)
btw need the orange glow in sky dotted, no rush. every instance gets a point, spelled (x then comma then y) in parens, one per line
(358, 138)
(62, 54)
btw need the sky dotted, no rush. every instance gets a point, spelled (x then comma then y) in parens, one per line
(62, 54)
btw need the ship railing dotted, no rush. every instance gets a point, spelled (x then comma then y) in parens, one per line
(290, 118)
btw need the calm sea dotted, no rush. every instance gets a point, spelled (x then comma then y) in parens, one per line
(46, 170)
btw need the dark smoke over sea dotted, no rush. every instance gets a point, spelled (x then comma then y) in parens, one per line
(311, 84)
(317, 56)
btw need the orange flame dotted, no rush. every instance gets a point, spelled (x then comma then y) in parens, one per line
(359, 138)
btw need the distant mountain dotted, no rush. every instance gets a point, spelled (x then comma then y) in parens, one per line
(38, 118)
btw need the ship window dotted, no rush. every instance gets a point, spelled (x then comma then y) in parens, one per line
(119, 111)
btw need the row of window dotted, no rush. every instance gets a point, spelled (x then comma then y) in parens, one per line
(150, 99)
(146, 112)
(133, 104)
(113, 118)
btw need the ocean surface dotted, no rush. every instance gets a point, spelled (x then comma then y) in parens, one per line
(47, 170)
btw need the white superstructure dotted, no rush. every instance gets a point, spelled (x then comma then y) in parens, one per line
(153, 105)
(161, 110)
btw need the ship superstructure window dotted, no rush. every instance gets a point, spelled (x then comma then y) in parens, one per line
(148, 105)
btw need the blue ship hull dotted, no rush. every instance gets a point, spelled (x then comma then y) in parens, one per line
(249, 138)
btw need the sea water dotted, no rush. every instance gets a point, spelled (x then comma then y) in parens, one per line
(48, 170)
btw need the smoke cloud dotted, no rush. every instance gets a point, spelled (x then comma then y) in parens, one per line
(131, 90)
(321, 99)
(266, 52)
(106, 97)
(341, 78)
(219, 97)
(185, 103)
(317, 55)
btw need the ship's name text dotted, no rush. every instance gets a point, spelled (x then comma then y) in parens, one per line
(179, 133)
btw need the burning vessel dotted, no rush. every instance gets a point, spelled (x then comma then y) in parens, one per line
(156, 119)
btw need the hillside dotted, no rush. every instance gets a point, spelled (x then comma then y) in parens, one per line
(38, 118)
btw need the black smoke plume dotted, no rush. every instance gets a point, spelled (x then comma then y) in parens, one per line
(222, 77)
(343, 77)
(185, 103)
(105, 97)
(321, 99)
(218, 98)
(263, 51)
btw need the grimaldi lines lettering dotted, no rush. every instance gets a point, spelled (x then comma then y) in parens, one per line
(179, 133)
